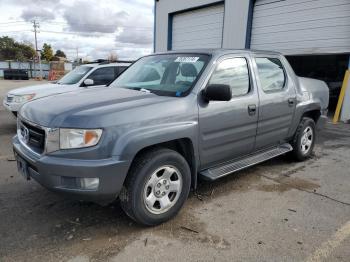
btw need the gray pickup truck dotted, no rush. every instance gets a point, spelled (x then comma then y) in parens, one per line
(168, 120)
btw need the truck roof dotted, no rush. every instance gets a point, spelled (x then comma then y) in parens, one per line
(107, 64)
(220, 51)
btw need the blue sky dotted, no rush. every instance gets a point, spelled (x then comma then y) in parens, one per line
(93, 28)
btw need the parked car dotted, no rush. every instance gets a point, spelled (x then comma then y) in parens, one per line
(89, 75)
(150, 136)
(16, 74)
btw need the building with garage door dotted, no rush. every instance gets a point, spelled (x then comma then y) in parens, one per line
(313, 34)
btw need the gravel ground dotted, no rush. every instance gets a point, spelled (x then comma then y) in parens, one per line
(278, 211)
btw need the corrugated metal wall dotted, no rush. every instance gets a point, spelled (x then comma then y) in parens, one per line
(30, 67)
(302, 26)
(200, 28)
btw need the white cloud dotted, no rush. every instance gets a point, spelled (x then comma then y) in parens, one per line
(42, 13)
(141, 38)
(83, 16)
(94, 27)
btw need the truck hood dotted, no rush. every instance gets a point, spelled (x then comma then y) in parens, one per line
(87, 108)
(43, 90)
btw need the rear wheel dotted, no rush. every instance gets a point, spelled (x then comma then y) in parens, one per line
(156, 187)
(304, 139)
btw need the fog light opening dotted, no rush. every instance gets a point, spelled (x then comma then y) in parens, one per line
(89, 183)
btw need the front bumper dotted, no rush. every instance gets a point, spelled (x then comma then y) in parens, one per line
(54, 172)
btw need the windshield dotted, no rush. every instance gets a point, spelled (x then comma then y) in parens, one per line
(75, 75)
(169, 75)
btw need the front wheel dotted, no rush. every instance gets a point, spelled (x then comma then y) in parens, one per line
(156, 187)
(304, 139)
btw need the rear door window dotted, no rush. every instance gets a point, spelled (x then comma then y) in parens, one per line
(271, 74)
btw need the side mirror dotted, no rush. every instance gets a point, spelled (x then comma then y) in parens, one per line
(88, 82)
(217, 92)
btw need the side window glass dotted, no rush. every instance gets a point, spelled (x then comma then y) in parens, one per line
(271, 74)
(120, 69)
(233, 72)
(102, 76)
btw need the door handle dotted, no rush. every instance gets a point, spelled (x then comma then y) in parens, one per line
(251, 110)
(291, 101)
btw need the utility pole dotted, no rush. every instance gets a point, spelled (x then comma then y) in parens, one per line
(78, 55)
(36, 26)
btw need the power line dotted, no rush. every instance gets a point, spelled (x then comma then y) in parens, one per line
(75, 33)
(82, 34)
(17, 31)
(76, 24)
(12, 22)
(97, 25)
(93, 27)
(13, 25)
(63, 32)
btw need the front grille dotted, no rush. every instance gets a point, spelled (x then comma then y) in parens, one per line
(32, 136)
(9, 99)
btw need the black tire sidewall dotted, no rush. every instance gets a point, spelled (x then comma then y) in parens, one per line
(306, 122)
(164, 157)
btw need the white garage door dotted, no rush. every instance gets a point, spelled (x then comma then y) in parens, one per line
(302, 26)
(201, 28)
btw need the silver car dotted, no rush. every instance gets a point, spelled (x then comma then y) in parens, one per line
(84, 76)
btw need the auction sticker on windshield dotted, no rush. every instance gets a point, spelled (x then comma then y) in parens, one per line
(187, 59)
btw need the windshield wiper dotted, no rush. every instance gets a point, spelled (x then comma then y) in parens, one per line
(145, 90)
(141, 89)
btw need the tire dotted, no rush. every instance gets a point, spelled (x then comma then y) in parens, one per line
(304, 139)
(156, 187)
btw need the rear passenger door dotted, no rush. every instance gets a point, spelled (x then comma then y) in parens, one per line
(228, 128)
(277, 101)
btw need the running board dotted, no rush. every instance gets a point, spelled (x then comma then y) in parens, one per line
(231, 167)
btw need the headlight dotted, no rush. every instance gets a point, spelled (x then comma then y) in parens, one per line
(79, 138)
(23, 98)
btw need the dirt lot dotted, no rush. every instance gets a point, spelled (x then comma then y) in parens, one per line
(277, 211)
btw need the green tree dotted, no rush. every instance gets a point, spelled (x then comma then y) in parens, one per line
(26, 50)
(46, 52)
(7, 50)
(6, 42)
(12, 50)
(60, 53)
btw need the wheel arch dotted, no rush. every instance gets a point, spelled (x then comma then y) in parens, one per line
(312, 110)
(180, 136)
(184, 146)
(314, 114)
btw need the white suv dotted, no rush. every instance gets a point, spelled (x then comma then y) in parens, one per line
(84, 76)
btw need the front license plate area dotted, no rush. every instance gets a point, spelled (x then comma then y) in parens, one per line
(22, 167)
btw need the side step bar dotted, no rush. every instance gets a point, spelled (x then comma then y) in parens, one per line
(230, 167)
